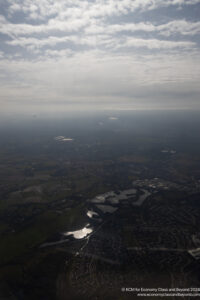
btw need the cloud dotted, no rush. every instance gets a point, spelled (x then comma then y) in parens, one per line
(98, 8)
(52, 41)
(13, 30)
(58, 53)
(1, 54)
(99, 51)
(155, 43)
(97, 76)
(115, 43)
(182, 27)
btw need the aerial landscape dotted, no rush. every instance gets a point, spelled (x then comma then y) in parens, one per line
(99, 149)
(100, 205)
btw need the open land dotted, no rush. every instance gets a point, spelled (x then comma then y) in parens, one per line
(83, 214)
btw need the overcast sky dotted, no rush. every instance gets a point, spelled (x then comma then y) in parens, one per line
(114, 53)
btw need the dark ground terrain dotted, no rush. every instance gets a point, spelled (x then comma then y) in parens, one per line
(145, 233)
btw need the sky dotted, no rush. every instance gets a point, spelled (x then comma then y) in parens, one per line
(137, 54)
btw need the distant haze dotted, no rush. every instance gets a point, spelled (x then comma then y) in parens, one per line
(115, 54)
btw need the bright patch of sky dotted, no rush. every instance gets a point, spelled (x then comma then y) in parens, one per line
(144, 53)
